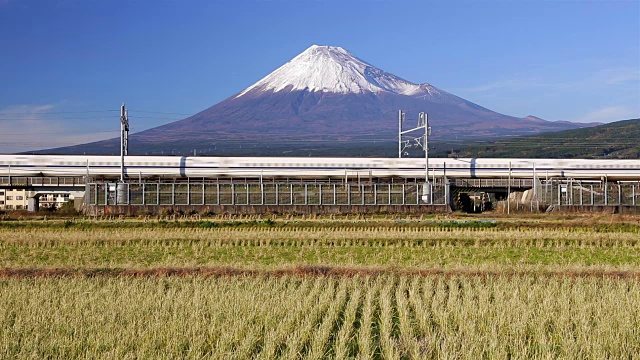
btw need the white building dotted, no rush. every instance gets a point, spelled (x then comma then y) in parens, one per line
(13, 199)
(18, 199)
(51, 201)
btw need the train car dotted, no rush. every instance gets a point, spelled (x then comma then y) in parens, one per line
(308, 167)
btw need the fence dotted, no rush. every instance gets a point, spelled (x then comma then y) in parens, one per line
(494, 183)
(41, 181)
(576, 192)
(271, 193)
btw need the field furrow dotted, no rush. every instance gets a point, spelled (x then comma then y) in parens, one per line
(345, 345)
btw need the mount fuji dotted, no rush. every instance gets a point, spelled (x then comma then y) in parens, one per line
(325, 94)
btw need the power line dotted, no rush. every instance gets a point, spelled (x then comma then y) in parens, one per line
(45, 119)
(54, 112)
(90, 111)
(160, 112)
(82, 118)
(62, 132)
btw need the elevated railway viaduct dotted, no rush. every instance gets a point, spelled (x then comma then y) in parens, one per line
(149, 184)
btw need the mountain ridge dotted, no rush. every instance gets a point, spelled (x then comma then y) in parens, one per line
(326, 92)
(616, 140)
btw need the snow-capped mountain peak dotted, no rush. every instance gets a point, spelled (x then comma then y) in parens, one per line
(334, 69)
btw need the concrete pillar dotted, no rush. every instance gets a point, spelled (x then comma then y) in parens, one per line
(334, 194)
(619, 194)
(33, 204)
(403, 194)
(261, 193)
(375, 194)
(87, 195)
(447, 191)
(570, 191)
(580, 192)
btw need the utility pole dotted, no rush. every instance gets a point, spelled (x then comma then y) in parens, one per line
(124, 138)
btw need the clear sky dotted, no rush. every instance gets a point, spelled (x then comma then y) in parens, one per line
(65, 66)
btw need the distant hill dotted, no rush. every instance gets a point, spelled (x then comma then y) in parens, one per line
(616, 140)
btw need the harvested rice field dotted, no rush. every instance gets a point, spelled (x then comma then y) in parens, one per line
(296, 288)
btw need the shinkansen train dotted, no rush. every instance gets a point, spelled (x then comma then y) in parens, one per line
(309, 167)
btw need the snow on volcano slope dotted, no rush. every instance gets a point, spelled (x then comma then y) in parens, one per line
(335, 70)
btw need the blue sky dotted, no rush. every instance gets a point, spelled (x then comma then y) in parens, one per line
(65, 66)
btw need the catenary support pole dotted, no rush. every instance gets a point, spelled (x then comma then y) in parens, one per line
(124, 138)
(509, 191)
(399, 133)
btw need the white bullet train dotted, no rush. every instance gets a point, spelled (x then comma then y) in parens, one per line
(312, 167)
